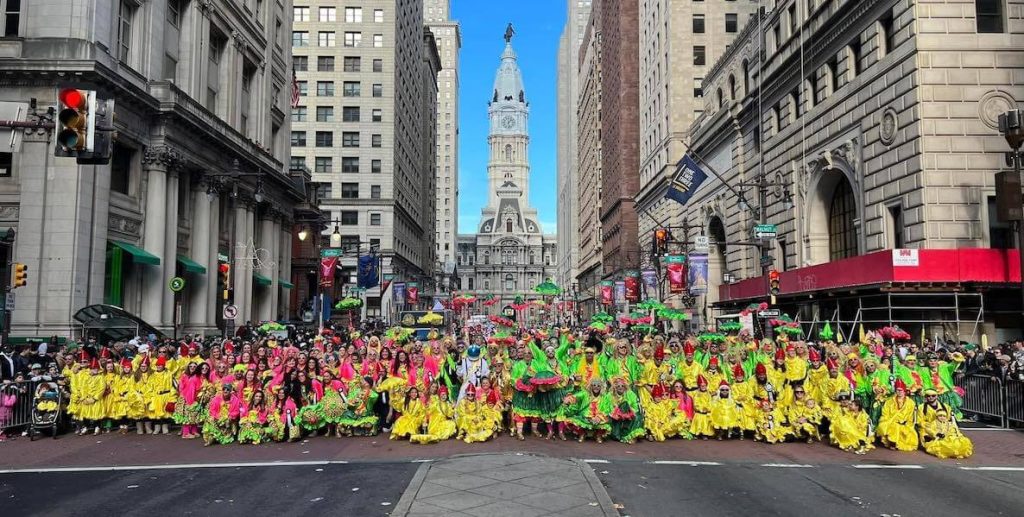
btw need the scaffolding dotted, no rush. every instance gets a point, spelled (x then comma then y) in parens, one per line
(934, 314)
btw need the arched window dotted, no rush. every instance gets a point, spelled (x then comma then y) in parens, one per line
(841, 214)
(510, 283)
(718, 98)
(508, 153)
(508, 225)
(732, 87)
(746, 77)
(487, 257)
(533, 258)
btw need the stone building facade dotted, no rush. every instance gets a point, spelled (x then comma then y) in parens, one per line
(588, 194)
(366, 126)
(569, 50)
(510, 254)
(875, 124)
(199, 86)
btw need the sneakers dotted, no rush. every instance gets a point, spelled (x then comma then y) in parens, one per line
(96, 431)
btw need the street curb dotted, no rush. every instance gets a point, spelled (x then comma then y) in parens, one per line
(409, 496)
(604, 501)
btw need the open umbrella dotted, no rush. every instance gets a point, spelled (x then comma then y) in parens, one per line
(730, 326)
(348, 303)
(548, 288)
(602, 317)
(673, 314)
(650, 305)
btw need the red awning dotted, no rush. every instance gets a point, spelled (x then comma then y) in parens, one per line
(882, 268)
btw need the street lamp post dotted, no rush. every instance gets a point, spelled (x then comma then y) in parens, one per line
(1010, 125)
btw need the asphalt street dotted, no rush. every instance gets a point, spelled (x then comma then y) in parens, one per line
(644, 489)
(364, 489)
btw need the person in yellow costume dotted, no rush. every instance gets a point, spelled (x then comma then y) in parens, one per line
(743, 394)
(804, 416)
(713, 373)
(943, 439)
(159, 392)
(726, 413)
(74, 373)
(472, 419)
(137, 399)
(837, 388)
(701, 425)
(681, 404)
(414, 414)
(120, 385)
(91, 389)
(850, 428)
(657, 414)
(896, 425)
(440, 417)
(817, 376)
(771, 424)
(796, 366)
(688, 369)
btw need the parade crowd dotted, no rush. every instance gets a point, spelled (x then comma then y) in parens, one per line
(555, 383)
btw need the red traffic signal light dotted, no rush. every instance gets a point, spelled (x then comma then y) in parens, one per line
(773, 282)
(76, 127)
(20, 275)
(660, 240)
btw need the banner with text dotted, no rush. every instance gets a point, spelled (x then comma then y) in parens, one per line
(606, 291)
(632, 285)
(697, 276)
(686, 180)
(675, 267)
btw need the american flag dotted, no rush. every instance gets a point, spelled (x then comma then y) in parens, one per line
(295, 90)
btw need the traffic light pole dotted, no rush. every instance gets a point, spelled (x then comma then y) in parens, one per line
(6, 246)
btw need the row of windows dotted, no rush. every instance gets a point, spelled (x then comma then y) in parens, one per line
(326, 114)
(348, 89)
(326, 64)
(329, 39)
(325, 164)
(330, 14)
(732, 22)
(326, 139)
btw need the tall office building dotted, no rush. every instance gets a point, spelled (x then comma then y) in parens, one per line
(680, 40)
(577, 18)
(366, 127)
(588, 168)
(448, 36)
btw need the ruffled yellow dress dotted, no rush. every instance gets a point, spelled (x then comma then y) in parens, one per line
(896, 425)
(109, 397)
(944, 440)
(74, 378)
(120, 386)
(474, 421)
(804, 419)
(849, 430)
(135, 402)
(743, 394)
(90, 399)
(656, 419)
(440, 420)
(411, 422)
(726, 415)
(771, 426)
(815, 383)
(159, 391)
(701, 424)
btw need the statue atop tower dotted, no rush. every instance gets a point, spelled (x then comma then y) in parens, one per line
(509, 32)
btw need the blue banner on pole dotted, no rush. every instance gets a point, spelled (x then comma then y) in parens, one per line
(368, 272)
(686, 180)
(698, 273)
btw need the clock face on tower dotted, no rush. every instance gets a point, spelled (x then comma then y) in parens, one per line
(508, 122)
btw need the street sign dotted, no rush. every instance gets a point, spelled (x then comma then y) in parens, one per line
(769, 313)
(230, 311)
(9, 304)
(331, 252)
(176, 284)
(767, 260)
(765, 231)
(701, 244)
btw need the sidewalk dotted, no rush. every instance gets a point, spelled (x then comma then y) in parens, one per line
(499, 485)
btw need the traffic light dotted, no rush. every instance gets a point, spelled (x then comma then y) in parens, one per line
(660, 241)
(76, 123)
(773, 282)
(225, 278)
(20, 278)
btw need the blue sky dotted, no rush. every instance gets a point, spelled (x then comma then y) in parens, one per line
(538, 25)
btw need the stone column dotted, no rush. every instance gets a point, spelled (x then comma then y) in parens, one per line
(285, 268)
(198, 293)
(155, 162)
(170, 256)
(266, 242)
(213, 295)
(275, 270)
(242, 272)
(250, 228)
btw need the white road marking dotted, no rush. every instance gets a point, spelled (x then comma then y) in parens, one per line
(995, 469)
(422, 461)
(595, 461)
(171, 467)
(788, 465)
(965, 429)
(872, 466)
(689, 463)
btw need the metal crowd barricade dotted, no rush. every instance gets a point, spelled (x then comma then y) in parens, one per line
(983, 396)
(1014, 398)
(16, 405)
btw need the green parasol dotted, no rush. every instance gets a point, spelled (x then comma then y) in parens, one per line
(602, 317)
(673, 314)
(349, 303)
(650, 305)
(271, 325)
(548, 288)
(711, 337)
(730, 326)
